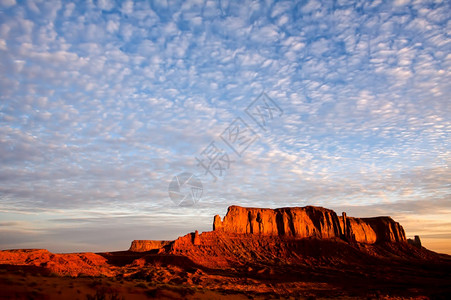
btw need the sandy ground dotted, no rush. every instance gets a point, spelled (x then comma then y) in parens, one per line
(24, 283)
(304, 269)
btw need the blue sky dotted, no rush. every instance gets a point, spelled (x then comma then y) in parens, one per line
(103, 102)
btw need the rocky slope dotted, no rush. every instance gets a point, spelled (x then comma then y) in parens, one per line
(71, 264)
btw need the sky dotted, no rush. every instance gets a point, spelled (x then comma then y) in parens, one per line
(340, 104)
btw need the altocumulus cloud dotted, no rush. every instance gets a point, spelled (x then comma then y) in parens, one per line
(102, 102)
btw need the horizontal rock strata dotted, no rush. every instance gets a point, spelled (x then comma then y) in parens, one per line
(147, 245)
(309, 221)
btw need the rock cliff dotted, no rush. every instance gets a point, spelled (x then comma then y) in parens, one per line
(309, 221)
(385, 229)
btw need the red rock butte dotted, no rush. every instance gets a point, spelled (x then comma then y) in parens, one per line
(249, 235)
(309, 221)
(296, 223)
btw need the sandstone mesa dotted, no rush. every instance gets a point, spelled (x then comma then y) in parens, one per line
(294, 223)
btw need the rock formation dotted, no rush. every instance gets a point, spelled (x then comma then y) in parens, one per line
(281, 232)
(147, 245)
(70, 264)
(309, 221)
(415, 242)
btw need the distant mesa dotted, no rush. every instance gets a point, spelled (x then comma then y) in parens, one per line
(146, 245)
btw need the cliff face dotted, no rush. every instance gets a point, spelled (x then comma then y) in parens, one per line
(291, 221)
(355, 229)
(309, 221)
(386, 229)
(147, 245)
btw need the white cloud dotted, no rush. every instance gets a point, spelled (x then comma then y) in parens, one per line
(127, 31)
(32, 5)
(7, 3)
(311, 6)
(105, 4)
(69, 9)
(401, 2)
(112, 26)
(266, 34)
(104, 109)
(127, 7)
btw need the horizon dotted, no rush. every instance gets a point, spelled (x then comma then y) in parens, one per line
(135, 120)
(102, 250)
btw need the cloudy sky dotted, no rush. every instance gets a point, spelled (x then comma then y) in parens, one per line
(102, 103)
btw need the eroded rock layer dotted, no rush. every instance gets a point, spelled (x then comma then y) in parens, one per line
(147, 245)
(309, 221)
